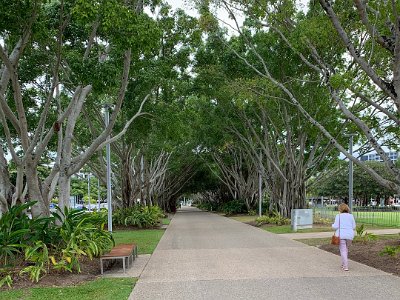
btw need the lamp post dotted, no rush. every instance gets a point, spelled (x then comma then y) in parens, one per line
(350, 171)
(98, 193)
(108, 158)
(88, 186)
(260, 187)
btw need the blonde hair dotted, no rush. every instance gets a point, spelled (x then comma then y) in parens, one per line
(344, 208)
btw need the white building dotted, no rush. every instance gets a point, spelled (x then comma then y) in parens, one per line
(393, 155)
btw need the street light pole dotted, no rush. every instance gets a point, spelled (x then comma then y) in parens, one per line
(88, 187)
(98, 193)
(260, 188)
(108, 158)
(351, 173)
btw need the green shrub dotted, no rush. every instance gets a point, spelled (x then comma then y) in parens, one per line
(252, 212)
(263, 220)
(93, 201)
(6, 279)
(38, 255)
(323, 221)
(14, 230)
(363, 236)
(360, 230)
(82, 233)
(390, 250)
(42, 241)
(275, 218)
(139, 216)
(208, 206)
(234, 207)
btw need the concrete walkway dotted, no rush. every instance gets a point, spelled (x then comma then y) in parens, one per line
(206, 256)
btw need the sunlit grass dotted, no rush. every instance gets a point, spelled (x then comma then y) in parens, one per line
(99, 289)
(165, 221)
(146, 239)
(374, 217)
(244, 218)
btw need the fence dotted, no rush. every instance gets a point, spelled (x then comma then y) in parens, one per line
(378, 216)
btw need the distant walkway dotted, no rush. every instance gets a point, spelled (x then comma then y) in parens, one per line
(313, 235)
(206, 256)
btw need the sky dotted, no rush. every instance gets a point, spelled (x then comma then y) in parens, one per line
(188, 6)
(185, 4)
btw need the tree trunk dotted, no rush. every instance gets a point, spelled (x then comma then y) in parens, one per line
(64, 187)
(6, 188)
(41, 208)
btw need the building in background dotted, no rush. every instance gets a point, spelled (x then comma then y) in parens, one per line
(393, 155)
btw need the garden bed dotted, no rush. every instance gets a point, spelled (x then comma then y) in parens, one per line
(367, 253)
(90, 270)
(147, 240)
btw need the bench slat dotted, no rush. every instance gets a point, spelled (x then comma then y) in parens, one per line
(121, 251)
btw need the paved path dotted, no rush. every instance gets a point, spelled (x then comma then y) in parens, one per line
(206, 256)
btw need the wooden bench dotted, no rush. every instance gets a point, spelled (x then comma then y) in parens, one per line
(121, 251)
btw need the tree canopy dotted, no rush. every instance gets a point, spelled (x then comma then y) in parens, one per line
(194, 108)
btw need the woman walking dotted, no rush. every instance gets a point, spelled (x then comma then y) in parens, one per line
(344, 225)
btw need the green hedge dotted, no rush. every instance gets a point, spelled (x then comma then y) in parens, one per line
(139, 216)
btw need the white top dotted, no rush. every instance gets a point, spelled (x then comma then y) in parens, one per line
(347, 226)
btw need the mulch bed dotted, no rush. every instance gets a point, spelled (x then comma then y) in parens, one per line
(368, 253)
(90, 270)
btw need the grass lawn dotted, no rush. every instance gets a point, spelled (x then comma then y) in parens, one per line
(315, 242)
(244, 218)
(165, 221)
(99, 289)
(378, 218)
(146, 239)
(288, 229)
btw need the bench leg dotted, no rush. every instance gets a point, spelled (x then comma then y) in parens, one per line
(123, 263)
(101, 266)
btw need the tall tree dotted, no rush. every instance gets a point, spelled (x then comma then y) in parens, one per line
(52, 63)
(353, 48)
(258, 120)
